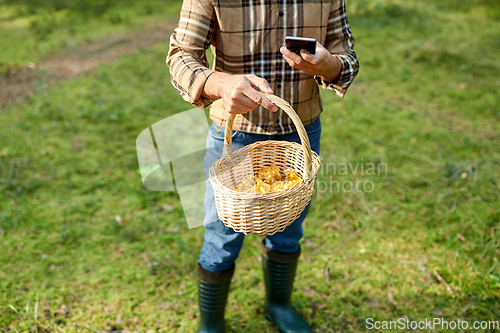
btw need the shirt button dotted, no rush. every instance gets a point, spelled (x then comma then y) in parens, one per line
(278, 86)
(281, 14)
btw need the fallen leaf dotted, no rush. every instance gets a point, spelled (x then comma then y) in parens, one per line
(167, 208)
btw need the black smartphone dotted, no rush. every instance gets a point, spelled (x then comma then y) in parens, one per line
(295, 44)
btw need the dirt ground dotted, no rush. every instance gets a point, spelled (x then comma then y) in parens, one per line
(19, 83)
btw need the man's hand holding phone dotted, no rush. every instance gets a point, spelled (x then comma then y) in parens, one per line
(321, 63)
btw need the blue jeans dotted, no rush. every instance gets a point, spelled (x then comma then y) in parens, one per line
(222, 244)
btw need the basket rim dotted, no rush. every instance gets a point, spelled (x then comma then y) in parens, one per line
(213, 175)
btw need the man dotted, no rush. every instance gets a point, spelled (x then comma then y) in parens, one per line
(245, 37)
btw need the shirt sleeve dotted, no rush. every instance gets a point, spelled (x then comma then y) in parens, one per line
(187, 54)
(340, 42)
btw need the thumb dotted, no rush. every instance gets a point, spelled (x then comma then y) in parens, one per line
(308, 56)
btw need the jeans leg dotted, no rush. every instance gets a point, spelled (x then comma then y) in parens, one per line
(287, 241)
(221, 244)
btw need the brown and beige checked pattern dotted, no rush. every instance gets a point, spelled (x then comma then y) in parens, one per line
(245, 37)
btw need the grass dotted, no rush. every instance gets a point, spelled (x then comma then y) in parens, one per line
(81, 234)
(32, 31)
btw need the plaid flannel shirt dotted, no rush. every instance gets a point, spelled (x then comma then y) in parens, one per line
(245, 37)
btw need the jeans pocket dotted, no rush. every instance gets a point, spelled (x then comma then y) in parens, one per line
(217, 132)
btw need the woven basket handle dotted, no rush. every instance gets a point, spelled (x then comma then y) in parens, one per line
(285, 106)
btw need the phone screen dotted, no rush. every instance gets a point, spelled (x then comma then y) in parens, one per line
(295, 44)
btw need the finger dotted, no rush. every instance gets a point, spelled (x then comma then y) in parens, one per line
(237, 111)
(261, 99)
(291, 55)
(247, 102)
(289, 61)
(238, 94)
(239, 97)
(312, 59)
(238, 108)
(320, 47)
(261, 83)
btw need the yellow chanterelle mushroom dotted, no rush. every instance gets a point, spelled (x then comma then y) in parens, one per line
(268, 180)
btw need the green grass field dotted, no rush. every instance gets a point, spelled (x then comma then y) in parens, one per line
(82, 242)
(33, 30)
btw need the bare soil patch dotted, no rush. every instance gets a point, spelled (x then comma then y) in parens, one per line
(19, 83)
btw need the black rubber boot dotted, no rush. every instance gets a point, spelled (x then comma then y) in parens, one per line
(279, 274)
(213, 288)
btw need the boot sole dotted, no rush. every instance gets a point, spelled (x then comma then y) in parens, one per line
(268, 317)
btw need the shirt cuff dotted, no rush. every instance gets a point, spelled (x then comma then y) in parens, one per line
(196, 85)
(343, 82)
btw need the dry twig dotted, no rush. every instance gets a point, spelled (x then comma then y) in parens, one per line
(444, 283)
(391, 299)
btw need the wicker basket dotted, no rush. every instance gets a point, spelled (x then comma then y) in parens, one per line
(263, 213)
